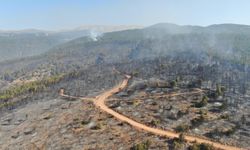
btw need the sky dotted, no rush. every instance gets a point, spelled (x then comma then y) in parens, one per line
(67, 14)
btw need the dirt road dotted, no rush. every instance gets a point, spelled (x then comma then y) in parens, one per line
(99, 101)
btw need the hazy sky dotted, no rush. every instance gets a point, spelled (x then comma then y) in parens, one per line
(60, 14)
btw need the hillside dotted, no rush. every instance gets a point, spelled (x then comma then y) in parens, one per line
(161, 95)
(225, 41)
(31, 42)
(184, 79)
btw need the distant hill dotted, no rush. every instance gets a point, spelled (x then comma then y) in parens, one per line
(108, 28)
(227, 41)
(31, 42)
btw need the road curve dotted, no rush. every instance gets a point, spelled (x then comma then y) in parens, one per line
(99, 101)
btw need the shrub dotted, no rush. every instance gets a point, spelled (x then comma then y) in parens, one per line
(223, 106)
(178, 142)
(224, 116)
(177, 79)
(182, 137)
(202, 103)
(182, 128)
(154, 122)
(198, 121)
(243, 119)
(220, 90)
(205, 98)
(84, 122)
(135, 73)
(173, 84)
(219, 132)
(230, 131)
(202, 146)
(203, 112)
(141, 146)
(177, 145)
(182, 113)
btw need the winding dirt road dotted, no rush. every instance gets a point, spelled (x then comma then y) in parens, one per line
(99, 101)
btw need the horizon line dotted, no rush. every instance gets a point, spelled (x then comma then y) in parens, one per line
(110, 25)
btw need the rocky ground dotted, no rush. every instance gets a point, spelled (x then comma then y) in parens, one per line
(63, 124)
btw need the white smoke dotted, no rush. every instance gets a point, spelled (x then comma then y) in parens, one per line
(94, 35)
